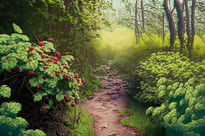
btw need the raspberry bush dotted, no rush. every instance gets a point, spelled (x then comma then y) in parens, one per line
(45, 73)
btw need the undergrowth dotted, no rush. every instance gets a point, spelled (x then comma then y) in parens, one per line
(79, 122)
(122, 112)
(139, 120)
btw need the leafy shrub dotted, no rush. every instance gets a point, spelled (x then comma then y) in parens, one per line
(10, 124)
(43, 76)
(183, 112)
(46, 70)
(173, 67)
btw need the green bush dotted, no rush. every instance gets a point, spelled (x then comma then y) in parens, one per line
(183, 113)
(170, 67)
(45, 68)
(10, 124)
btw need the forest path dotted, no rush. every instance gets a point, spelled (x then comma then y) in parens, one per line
(104, 104)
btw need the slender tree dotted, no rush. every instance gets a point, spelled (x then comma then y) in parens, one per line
(172, 28)
(188, 26)
(193, 21)
(163, 32)
(181, 25)
(142, 8)
(136, 23)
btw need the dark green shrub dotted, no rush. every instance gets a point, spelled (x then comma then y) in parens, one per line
(182, 114)
(10, 124)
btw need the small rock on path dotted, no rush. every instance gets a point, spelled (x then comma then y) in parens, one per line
(104, 104)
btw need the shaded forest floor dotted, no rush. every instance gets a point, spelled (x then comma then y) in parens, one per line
(104, 106)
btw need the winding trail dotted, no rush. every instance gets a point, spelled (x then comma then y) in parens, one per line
(104, 104)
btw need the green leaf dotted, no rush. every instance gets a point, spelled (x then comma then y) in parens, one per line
(10, 108)
(21, 122)
(32, 65)
(48, 106)
(9, 63)
(59, 97)
(39, 95)
(36, 81)
(67, 58)
(22, 55)
(52, 83)
(5, 91)
(32, 133)
(17, 28)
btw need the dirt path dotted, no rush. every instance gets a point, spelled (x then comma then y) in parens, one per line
(104, 104)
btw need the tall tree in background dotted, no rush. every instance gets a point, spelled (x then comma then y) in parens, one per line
(193, 21)
(188, 27)
(142, 9)
(136, 23)
(172, 28)
(163, 32)
(181, 25)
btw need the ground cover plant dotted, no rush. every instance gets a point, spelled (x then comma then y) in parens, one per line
(139, 120)
(80, 122)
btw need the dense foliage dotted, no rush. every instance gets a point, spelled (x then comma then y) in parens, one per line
(70, 23)
(46, 78)
(183, 112)
(45, 69)
(168, 67)
(10, 124)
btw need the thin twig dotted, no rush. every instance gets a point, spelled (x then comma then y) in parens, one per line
(35, 37)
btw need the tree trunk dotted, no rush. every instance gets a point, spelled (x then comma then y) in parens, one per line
(188, 27)
(193, 22)
(181, 24)
(136, 24)
(163, 33)
(172, 28)
(142, 8)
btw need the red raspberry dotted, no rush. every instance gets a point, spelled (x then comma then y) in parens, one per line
(72, 104)
(66, 77)
(40, 43)
(83, 80)
(76, 76)
(50, 39)
(40, 87)
(30, 73)
(67, 100)
(58, 54)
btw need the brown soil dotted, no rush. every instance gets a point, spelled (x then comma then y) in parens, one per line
(104, 104)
